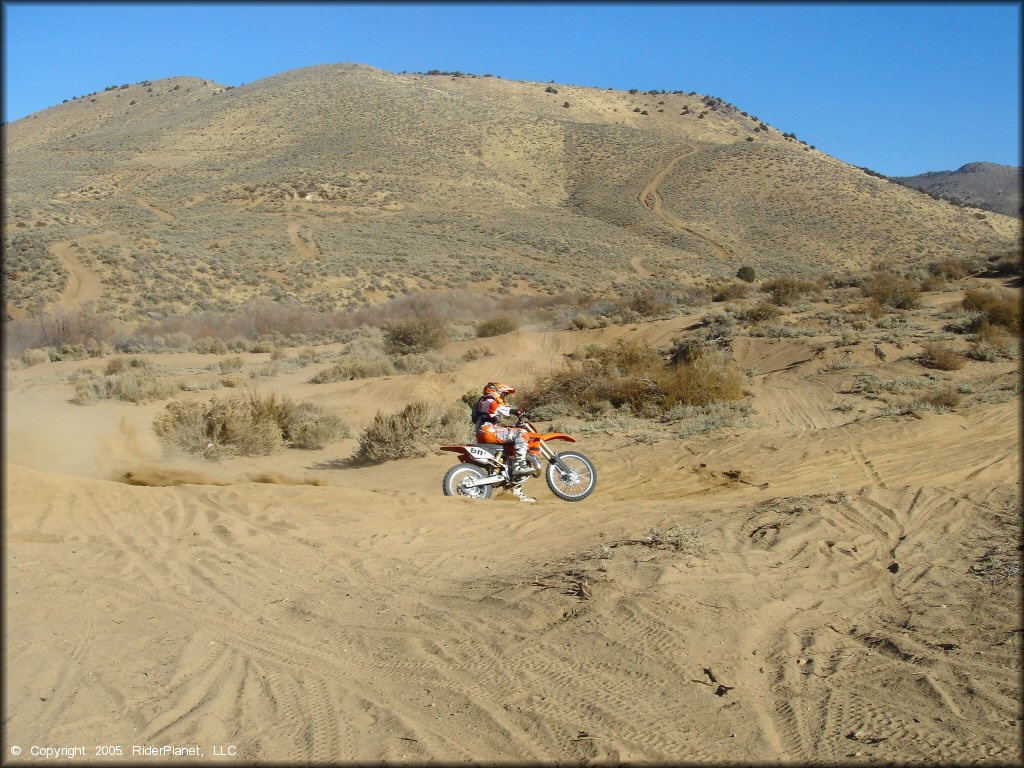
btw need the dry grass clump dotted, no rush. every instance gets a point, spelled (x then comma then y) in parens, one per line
(348, 370)
(416, 335)
(997, 307)
(133, 380)
(627, 374)
(248, 424)
(892, 290)
(784, 291)
(941, 357)
(943, 400)
(496, 326)
(416, 430)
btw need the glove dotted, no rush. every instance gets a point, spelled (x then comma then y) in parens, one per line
(518, 412)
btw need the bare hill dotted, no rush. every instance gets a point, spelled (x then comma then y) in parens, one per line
(343, 185)
(989, 186)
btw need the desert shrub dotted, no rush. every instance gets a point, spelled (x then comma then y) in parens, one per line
(651, 302)
(698, 420)
(308, 356)
(944, 400)
(990, 342)
(307, 425)
(135, 382)
(496, 326)
(746, 274)
(121, 364)
(423, 362)
(35, 356)
(1000, 308)
(419, 334)
(709, 379)
(267, 370)
(475, 353)
(892, 290)
(686, 349)
(416, 430)
(678, 538)
(1005, 264)
(353, 369)
(844, 280)
(952, 269)
(760, 312)
(247, 424)
(729, 291)
(941, 357)
(870, 385)
(627, 374)
(786, 290)
(230, 364)
(209, 345)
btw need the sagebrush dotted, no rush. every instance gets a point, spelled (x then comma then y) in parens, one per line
(247, 424)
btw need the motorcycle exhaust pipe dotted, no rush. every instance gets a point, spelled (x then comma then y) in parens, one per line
(492, 480)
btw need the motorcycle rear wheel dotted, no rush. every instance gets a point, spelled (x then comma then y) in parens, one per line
(454, 479)
(575, 484)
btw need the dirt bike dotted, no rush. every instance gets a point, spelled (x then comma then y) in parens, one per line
(570, 475)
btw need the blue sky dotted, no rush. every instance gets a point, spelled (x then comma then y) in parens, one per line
(898, 88)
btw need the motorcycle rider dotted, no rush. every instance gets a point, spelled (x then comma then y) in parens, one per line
(488, 409)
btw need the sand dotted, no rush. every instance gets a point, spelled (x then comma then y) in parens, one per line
(849, 590)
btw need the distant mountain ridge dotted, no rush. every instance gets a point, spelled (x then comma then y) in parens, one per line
(340, 186)
(989, 186)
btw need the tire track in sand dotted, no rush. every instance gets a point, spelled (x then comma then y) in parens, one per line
(651, 199)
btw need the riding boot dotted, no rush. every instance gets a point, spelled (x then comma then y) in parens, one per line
(521, 465)
(517, 491)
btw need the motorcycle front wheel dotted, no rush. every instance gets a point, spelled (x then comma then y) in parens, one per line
(576, 481)
(456, 478)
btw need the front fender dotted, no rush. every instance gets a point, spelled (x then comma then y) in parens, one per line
(557, 436)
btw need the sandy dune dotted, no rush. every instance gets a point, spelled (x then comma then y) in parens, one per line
(838, 613)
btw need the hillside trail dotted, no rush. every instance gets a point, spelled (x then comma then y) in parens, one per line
(651, 199)
(306, 248)
(84, 285)
(163, 215)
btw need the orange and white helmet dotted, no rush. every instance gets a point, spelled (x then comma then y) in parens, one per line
(498, 391)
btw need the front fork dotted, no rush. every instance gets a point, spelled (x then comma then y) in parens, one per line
(550, 455)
